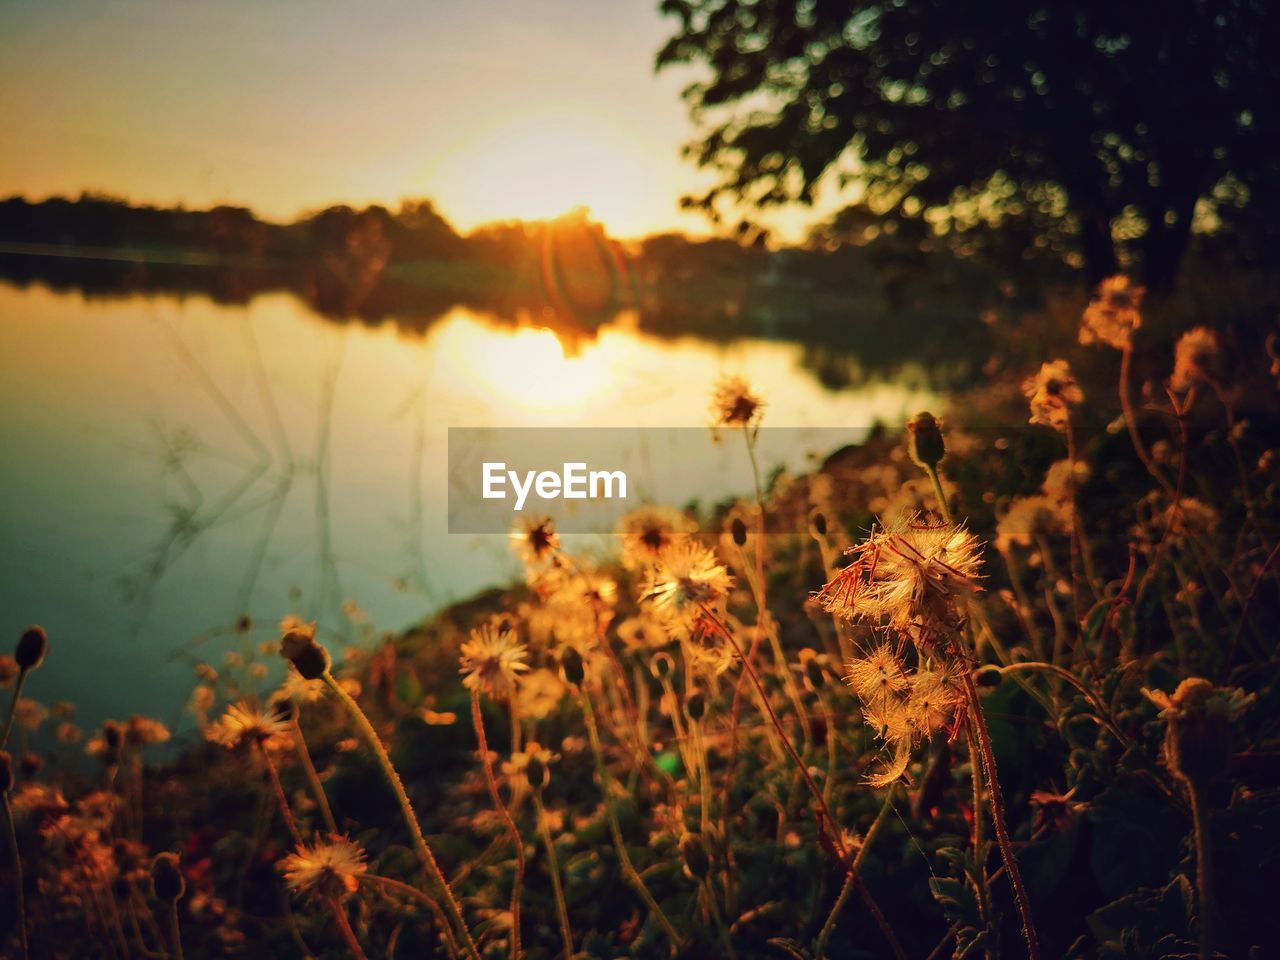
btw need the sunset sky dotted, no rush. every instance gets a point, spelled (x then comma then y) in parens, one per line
(494, 109)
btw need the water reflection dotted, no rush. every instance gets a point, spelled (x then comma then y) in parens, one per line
(173, 465)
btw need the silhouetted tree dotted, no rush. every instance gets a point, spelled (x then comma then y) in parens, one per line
(1096, 120)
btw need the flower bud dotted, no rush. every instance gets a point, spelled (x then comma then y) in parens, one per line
(695, 856)
(695, 705)
(661, 665)
(6, 772)
(32, 646)
(307, 655)
(739, 531)
(988, 675)
(166, 878)
(818, 523)
(572, 667)
(537, 773)
(924, 440)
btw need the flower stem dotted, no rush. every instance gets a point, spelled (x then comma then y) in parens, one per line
(281, 799)
(425, 856)
(829, 927)
(313, 778)
(477, 720)
(344, 927)
(1204, 869)
(175, 930)
(826, 822)
(13, 706)
(996, 802)
(553, 864)
(17, 871)
(624, 859)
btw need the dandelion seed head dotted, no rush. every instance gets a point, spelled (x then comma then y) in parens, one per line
(248, 722)
(491, 661)
(733, 404)
(684, 579)
(327, 869)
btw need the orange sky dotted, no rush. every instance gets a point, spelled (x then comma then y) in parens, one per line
(494, 109)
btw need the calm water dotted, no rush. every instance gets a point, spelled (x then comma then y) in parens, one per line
(170, 465)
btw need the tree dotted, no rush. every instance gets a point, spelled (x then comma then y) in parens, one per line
(1102, 122)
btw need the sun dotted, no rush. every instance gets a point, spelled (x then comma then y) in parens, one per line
(541, 164)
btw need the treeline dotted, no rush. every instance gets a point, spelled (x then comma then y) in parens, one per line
(889, 299)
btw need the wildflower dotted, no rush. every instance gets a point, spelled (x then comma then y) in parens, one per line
(206, 673)
(733, 404)
(1026, 518)
(686, 577)
(145, 730)
(491, 661)
(1052, 393)
(1113, 314)
(539, 693)
(933, 701)
(108, 744)
(8, 670)
(300, 690)
(531, 764)
(31, 714)
(68, 732)
(912, 575)
(877, 678)
(327, 870)
(646, 532)
(643, 633)
(1195, 359)
(535, 541)
(247, 722)
(1200, 728)
(1055, 811)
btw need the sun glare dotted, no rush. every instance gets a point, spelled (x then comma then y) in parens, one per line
(525, 369)
(543, 164)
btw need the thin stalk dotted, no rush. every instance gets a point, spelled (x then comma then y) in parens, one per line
(709, 895)
(175, 930)
(829, 927)
(1204, 868)
(1126, 405)
(17, 872)
(996, 801)
(13, 706)
(826, 822)
(932, 471)
(281, 799)
(624, 859)
(477, 720)
(313, 778)
(425, 856)
(415, 894)
(553, 865)
(344, 927)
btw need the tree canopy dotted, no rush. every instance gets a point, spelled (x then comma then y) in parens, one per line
(1102, 126)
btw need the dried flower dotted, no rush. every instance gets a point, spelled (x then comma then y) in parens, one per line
(299, 646)
(535, 541)
(1195, 360)
(646, 532)
(1052, 393)
(326, 870)
(913, 575)
(733, 404)
(167, 881)
(491, 661)
(1113, 314)
(878, 677)
(247, 722)
(685, 577)
(924, 440)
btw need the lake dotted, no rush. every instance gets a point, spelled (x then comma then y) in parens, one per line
(171, 464)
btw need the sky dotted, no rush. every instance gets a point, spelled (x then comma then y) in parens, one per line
(492, 108)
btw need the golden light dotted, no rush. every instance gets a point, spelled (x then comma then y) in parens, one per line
(526, 369)
(542, 164)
